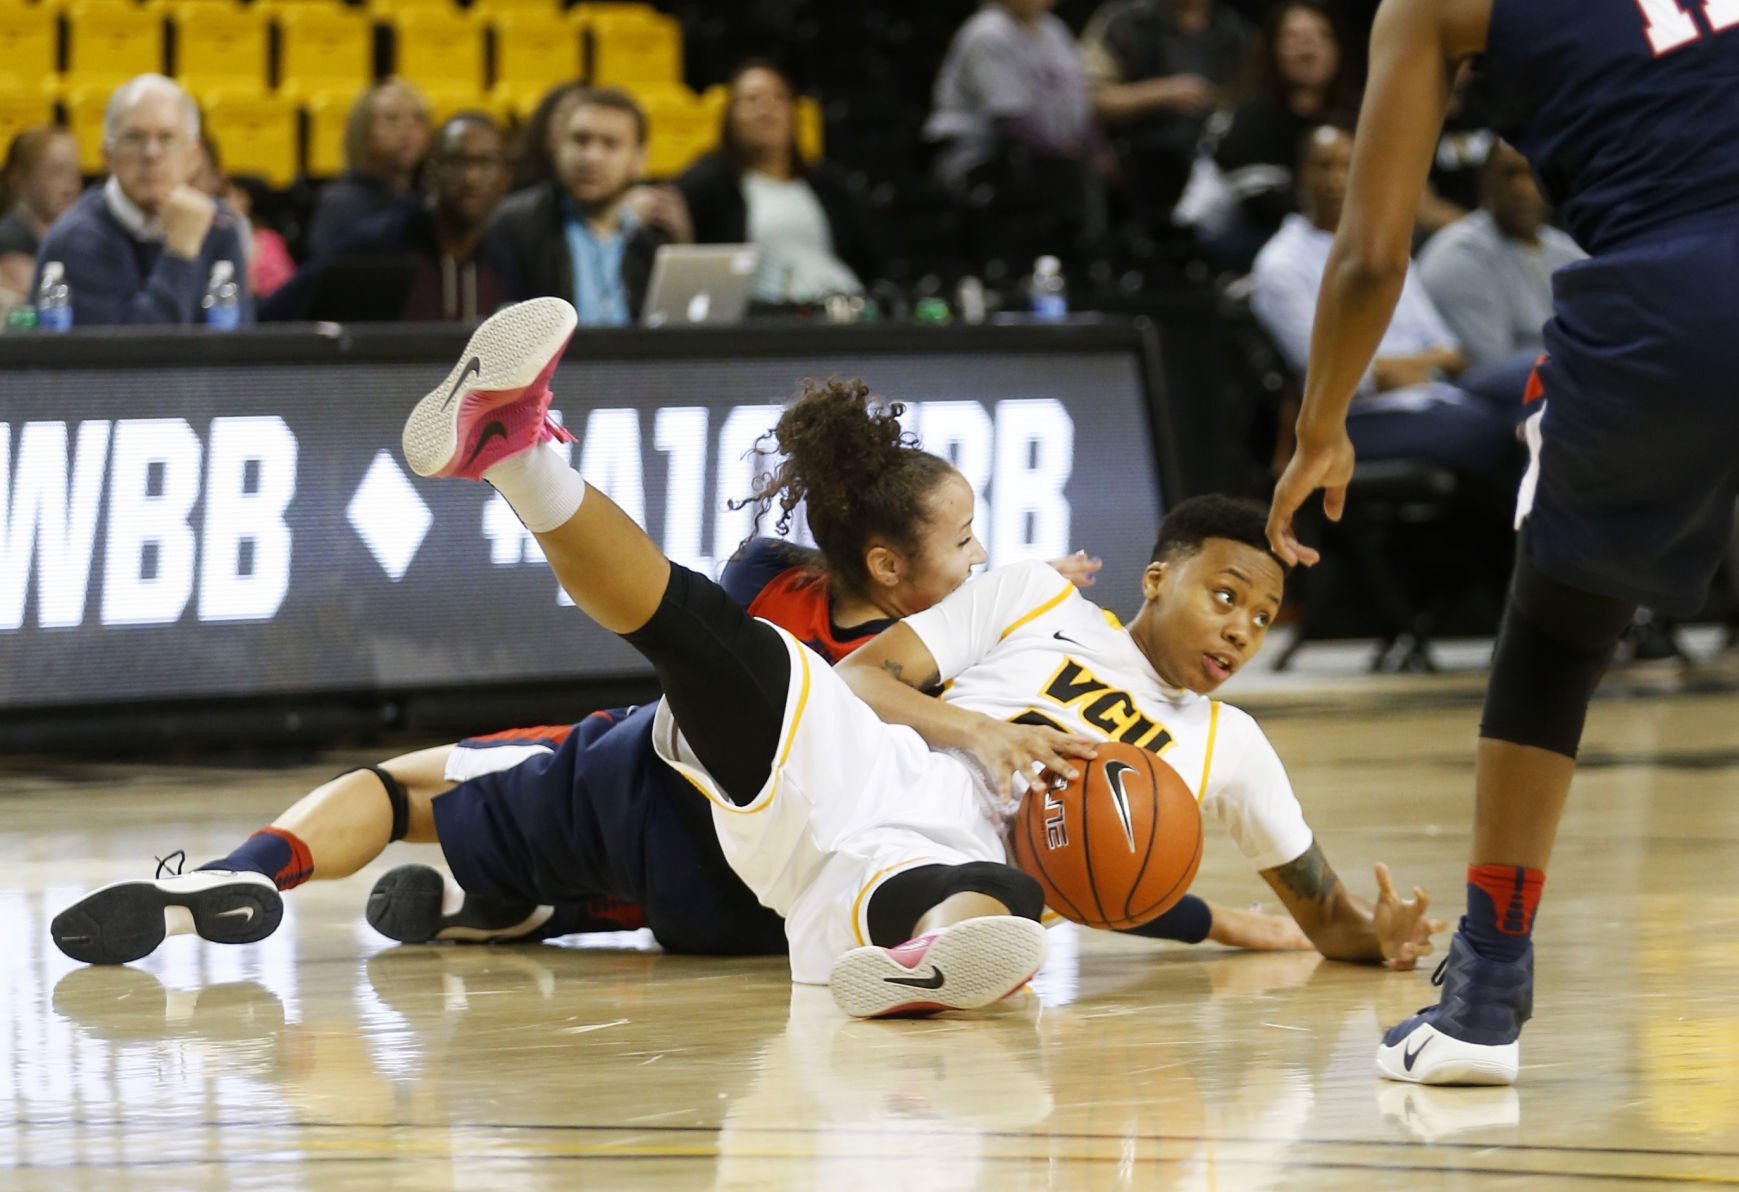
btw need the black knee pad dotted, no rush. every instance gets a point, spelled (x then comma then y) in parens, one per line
(1551, 651)
(899, 902)
(395, 795)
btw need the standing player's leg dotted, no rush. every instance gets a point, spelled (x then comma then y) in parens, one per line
(1628, 501)
(726, 676)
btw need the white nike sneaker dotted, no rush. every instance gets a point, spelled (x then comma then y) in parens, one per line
(971, 964)
(125, 921)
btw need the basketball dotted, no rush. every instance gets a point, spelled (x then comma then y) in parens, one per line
(1118, 846)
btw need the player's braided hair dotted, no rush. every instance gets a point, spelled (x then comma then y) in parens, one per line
(863, 476)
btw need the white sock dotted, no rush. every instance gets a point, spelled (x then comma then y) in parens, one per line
(540, 486)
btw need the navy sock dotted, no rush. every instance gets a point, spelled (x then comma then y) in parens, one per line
(274, 852)
(1501, 900)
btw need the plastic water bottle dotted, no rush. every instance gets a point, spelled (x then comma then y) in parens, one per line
(223, 300)
(1050, 293)
(54, 299)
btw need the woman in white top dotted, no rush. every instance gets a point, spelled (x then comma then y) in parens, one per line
(755, 187)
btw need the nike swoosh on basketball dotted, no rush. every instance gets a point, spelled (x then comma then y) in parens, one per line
(1407, 1057)
(933, 981)
(247, 912)
(473, 368)
(494, 430)
(1114, 772)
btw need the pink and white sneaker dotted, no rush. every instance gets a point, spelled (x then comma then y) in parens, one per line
(495, 402)
(971, 964)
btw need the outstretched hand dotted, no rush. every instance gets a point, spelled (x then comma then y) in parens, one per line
(1078, 568)
(1328, 466)
(1402, 929)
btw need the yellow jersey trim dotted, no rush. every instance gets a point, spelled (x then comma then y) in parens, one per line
(1040, 611)
(1208, 761)
(857, 904)
(779, 766)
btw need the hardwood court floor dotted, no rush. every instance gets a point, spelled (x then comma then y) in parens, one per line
(323, 1058)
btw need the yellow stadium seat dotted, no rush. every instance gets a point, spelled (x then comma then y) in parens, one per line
(632, 48)
(256, 134)
(108, 43)
(327, 113)
(23, 108)
(495, 9)
(323, 50)
(84, 115)
(28, 38)
(220, 47)
(532, 54)
(679, 129)
(440, 51)
(809, 127)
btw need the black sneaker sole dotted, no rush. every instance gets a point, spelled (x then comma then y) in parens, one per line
(125, 921)
(405, 904)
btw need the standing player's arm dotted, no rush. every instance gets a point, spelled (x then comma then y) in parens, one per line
(1395, 932)
(1415, 47)
(892, 673)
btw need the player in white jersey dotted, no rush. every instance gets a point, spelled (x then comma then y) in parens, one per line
(851, 829)
(1018, 648)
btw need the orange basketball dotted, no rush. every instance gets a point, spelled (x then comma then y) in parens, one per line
(1116, 847)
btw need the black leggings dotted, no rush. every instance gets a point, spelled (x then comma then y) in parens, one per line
(725, 677)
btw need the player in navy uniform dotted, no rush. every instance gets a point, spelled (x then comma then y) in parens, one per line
(555, 830)
(1628, 111)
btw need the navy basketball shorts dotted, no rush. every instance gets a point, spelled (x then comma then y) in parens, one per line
(565, 814)
(1634, 459)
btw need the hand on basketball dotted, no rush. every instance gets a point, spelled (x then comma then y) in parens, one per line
(1327, 465)
(1403, 931)
(1078, 568)
(1005, 749)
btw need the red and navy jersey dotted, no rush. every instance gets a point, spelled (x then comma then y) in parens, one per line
(1628, 110)
(785, 584)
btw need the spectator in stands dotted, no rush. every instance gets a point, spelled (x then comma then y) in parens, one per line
(1406, 408)
(535, 155)
(434, 237)
(384, 141)
(1491, 273)
(1012, 109)
(1157, 68)
(143, 247)
(39, 181)
(1247, 186)
(576, 236)
(270, 264)
(815, 237)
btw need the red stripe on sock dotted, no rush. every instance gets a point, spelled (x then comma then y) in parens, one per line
(300, 866)
(1514, 890)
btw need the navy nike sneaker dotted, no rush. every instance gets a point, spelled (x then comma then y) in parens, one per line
(125, 921)
(1471, 1035)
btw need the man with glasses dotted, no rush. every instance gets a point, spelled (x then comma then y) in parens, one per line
(434, 236)
(146, 246)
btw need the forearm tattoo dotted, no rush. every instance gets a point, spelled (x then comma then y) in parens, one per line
(1310, 878)
(899, 672)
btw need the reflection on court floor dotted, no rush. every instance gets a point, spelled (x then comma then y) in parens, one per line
(326, 1058)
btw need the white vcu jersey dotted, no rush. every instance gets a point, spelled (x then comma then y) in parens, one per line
(1020, 643)
(850, 802)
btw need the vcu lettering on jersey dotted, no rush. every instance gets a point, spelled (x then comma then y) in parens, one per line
(1104, 707)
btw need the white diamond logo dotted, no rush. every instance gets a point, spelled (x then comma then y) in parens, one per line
(388, 516)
